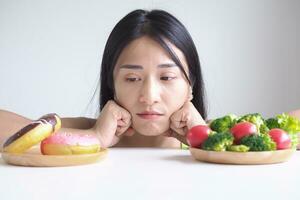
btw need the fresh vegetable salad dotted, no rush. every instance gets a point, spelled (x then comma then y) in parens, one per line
(250, 132)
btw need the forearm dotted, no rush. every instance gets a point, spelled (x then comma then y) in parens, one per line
(78, 123)
(10, 123)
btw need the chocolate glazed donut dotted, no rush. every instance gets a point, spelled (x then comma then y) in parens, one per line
(32, 134)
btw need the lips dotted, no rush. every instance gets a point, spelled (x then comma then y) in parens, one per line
(149, 115)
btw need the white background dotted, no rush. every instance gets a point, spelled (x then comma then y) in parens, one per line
(50, 53)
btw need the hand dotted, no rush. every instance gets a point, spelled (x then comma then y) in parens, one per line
(113, 123)
(183, 120)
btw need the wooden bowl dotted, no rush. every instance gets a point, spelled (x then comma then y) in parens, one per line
(34, 158)
(242, 158)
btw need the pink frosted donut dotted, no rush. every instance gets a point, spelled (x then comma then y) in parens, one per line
(68, 144)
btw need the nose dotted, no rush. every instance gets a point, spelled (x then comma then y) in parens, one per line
(150, 92)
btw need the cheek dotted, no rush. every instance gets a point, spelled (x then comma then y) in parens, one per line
(175, 96)
(125, 95)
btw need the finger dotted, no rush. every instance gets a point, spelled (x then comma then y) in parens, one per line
(123, 126)
(179, 125)
(178, 121)
(124, 131)
(123, 115)
(126, 117)
(121, 122)
(121, 130)
(180, 131)
(124, 121)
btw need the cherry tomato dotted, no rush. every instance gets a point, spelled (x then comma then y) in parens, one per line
(243, 129)
(197, 135)
(281, 138)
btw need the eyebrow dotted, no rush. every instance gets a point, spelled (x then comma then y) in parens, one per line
(129, 66)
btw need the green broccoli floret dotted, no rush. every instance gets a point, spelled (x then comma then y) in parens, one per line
(261, 142)
(272, 123)
(223, 124)
(238, 148)
(287, 123)
(256, 119)
(218, 142)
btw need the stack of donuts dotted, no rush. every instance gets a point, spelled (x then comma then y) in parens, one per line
(44, 131)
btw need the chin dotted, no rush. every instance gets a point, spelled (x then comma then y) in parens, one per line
(150, 129)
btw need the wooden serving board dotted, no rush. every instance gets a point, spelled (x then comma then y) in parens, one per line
(242, 158)
(34, 158)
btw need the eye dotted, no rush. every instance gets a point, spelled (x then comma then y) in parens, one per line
(132, 79)
(167, 78)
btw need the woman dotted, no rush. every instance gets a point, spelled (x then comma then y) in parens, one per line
(152, 90)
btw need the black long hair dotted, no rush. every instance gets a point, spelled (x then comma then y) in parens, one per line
(159, 25)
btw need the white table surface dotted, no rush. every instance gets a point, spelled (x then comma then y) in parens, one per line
(145, 173)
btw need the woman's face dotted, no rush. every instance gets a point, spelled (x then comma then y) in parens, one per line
(150, 85)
